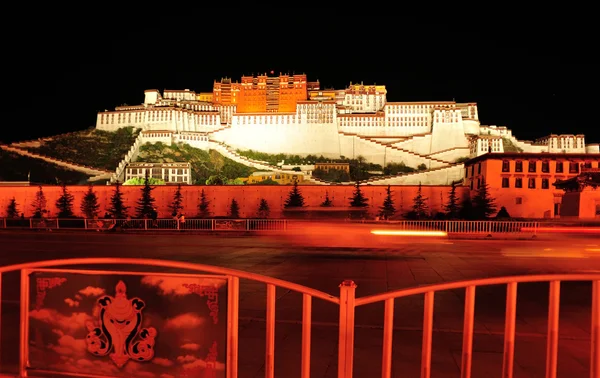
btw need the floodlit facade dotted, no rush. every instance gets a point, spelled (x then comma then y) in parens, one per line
(280, 178)
(292, 115)
(523, 182)
(170, 173)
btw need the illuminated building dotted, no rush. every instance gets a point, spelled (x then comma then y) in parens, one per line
(289, 114)
(176, 173)
(325, 167)
(281, 178)
(523, 182)
(262, 93)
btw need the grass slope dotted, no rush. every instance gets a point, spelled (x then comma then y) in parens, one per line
(92, 148)
(204, 164)
(14, 167)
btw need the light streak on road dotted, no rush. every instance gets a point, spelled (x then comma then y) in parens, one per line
(408, 233)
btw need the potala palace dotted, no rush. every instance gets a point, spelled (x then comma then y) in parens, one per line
(288, 114)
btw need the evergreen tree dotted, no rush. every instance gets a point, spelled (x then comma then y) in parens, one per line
(358, 200)
(89, 204)
(388, 209)
(234, 209)
(420, 210)
(39, 203)
(203, 206)
(145, 205)
(263, 209)
(117, 208)
(295, 198)
(12, 210)
(177, 204)
(327, 202)
(483, 204)
(452, 209)
(64, 203)
(466, 210)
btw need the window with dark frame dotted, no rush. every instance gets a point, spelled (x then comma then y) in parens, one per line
(545, 166)
(573, 167)
(505, 183)
(531, 183)
(479, 168)
(518, 166)
(559, 167)
(518, 182)
(545, 183)
(505, 166)
(532, 166)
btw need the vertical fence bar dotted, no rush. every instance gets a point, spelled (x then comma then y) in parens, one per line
(0, 320)
(306, 333)
(346, 336)
(427, 333)
(467, 346)
(24, 322)
(595, 330)
(509, 330)
(552, 341)
(233, 327)
(270, 342)
(388, 333)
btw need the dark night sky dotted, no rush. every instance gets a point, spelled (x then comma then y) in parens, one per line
(535, 78)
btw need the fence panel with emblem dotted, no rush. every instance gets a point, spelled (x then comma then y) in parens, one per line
(117, 322)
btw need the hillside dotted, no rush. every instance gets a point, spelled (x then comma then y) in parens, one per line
(14, 167)
(204, 164)
(92, 148)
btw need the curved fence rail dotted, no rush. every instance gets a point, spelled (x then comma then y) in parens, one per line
(348, 303)
(233, 304)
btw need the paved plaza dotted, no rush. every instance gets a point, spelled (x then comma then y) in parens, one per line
(411, 262)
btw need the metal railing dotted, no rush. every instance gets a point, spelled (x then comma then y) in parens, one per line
(467, 227)
(348, 304)
(147, 224)
(233, 277)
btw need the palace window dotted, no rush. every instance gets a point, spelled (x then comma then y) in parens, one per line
(573, 167)
(559, 167)
(545, 183)
(505, 166)
(479, 168)
(532, 166)
(531, 183)
(545, 166)
(518, 182)
(518, 166)
(587, 164)
(505, 182)
(519, 200)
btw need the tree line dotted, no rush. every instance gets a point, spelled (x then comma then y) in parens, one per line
(481, 206)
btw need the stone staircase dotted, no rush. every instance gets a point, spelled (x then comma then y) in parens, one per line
(230, 153)
(405, 151)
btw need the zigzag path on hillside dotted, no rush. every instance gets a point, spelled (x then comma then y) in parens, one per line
(74, 167)
(228, 152)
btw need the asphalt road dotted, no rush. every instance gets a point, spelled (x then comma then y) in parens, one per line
(411, 261)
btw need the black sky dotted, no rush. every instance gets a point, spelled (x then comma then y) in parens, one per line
(534, 77)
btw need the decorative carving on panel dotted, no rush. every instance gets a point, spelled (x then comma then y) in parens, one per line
(119, 333)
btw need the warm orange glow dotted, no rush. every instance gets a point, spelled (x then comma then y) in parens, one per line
(408, 233)
(585, 230)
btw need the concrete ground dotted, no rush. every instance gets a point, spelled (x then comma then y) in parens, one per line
(409, 262)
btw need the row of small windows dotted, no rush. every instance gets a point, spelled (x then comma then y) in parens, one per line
(532, 166)
(531, 183)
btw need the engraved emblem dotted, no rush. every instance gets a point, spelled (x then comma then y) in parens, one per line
(118, 332)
